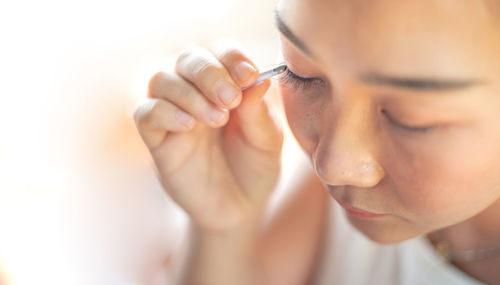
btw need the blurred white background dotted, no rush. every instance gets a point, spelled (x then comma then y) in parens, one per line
(79, 201)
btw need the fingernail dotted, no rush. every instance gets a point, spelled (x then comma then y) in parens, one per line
(244, 70)
(216, 115)
(184, 118)
(225, 91)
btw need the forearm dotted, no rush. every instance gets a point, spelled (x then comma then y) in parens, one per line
(228, 257)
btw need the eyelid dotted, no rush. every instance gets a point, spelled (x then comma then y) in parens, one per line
(414, 129)
(297, 81)
(299, 76)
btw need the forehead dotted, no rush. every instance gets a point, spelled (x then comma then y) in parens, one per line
(454, 35)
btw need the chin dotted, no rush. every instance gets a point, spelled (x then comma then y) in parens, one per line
(384, 232)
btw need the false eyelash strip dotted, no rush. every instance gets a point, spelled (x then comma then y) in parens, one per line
(294, 80)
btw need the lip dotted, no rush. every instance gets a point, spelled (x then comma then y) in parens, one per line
(358, 212)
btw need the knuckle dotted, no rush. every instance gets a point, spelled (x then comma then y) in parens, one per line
(186, 53)
(229, 54)
(146, 115)
(203, 106)
(155, 111)
(228, 50)
(156, 82)
(140, 117)
(187, 97)
(137, 115)
(203, 69)
(186, 56)
(177, 93)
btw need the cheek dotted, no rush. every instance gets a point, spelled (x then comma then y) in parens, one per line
(449, 180)
(303, 116)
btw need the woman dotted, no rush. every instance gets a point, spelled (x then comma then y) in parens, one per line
(395, 102)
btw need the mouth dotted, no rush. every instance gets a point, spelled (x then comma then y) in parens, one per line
(359, 213)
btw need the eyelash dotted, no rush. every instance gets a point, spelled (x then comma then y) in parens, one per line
(296, 81)
(408, 128)
(413, 129)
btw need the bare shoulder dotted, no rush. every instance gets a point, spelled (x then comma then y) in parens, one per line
(292, 239)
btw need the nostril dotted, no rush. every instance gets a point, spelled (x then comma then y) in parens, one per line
(328, 170)
(323, 170)
(320, 172)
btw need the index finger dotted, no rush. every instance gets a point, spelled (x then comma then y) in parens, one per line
(232, 56)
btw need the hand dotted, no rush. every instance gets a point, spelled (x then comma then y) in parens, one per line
(216, 149)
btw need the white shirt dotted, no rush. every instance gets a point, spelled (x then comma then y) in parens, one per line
(351, 258)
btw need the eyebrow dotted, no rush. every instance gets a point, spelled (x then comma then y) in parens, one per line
(423, 84)
(285, 30)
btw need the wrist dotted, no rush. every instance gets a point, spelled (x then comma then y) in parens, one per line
(244, 229)
(231, 223)
(223, 257)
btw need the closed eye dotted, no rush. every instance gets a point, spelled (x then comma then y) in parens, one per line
(296, 81)
(401, 126)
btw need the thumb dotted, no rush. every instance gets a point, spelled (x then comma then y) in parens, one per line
(256, 122)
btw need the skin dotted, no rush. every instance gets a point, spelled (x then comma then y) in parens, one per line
(425, 155)
(446, 178)
(199, 160)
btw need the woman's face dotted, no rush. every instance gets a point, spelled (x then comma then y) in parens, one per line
(398, 107)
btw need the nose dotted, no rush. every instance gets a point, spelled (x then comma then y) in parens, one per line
(346, 153)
